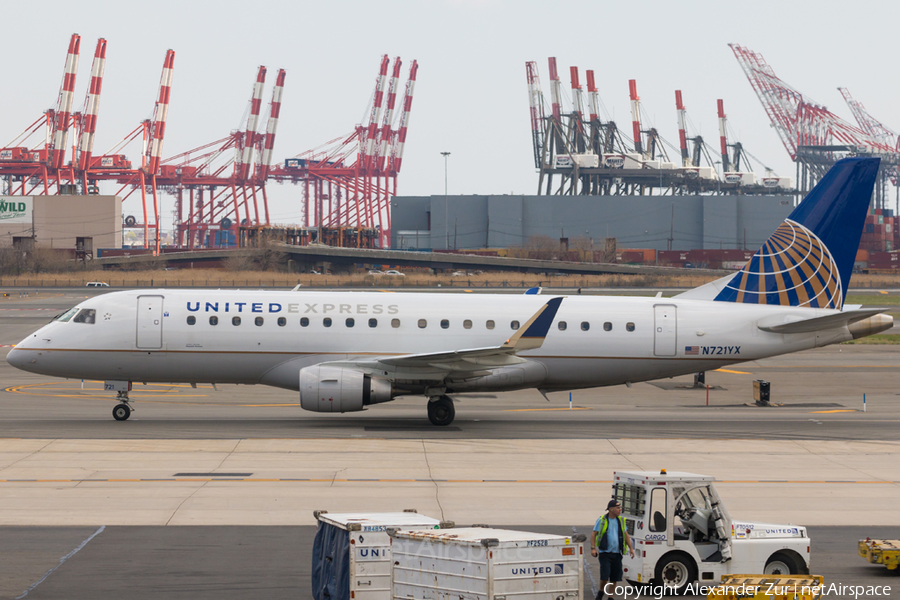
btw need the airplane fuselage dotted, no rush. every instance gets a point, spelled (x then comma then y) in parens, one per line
(266, 337)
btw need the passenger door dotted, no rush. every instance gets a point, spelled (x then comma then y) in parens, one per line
(149, 322)
(664, 330)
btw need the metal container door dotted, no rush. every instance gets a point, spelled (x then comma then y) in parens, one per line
(149, 322)
(664, 330)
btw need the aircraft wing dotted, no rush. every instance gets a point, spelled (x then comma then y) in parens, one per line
(529, 336)
(840, 319)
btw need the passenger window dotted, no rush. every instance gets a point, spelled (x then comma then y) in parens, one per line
(349, 322)
(214, 320)
(445, 324)
(235, 320)
(191, 319)
(326, 321)
(585, 325)
(87, 315)
(373, 323)
(259, 321)
(304, 322)
(282, 321)
(607, 326)
(489, 324)
(658, 509)
(67, 315)
(562, 325)
(423, 323)
(629, 326)
(395, 323)
(514, 325)
(467, 324)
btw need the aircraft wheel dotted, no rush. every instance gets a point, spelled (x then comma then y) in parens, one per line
(441, 411)
(121, 412)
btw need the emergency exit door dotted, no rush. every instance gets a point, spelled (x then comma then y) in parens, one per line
(664, 330)
(149, 322)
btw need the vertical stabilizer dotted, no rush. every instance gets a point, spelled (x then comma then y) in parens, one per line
(809, 258)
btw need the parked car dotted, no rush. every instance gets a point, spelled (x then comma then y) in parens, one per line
(394, 272)
(96, 284)
(375, 272)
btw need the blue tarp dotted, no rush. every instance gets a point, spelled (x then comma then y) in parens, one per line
(331, 563)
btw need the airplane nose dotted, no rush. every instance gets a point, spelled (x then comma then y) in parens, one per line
(16, 358)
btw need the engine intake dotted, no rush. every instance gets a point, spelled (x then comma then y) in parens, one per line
(338, 389)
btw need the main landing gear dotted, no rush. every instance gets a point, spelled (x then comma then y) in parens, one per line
(440, 410)
(122, 411)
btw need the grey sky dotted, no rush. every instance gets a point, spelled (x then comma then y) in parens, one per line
(470, 96)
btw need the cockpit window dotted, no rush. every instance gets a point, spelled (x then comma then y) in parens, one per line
(67, 315)
(86, 315)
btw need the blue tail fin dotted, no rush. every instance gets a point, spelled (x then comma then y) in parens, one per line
(809, 258)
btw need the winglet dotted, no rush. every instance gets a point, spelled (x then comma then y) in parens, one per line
(532, 333)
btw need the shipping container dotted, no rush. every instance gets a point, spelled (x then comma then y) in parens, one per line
(351, 555)
(667, 257)
(563, 162)
(786, 183)
(15, 154)
(622, 161)
(486, 564)
(739, 178)
(586, 161)
(862, 255)
(112, 161)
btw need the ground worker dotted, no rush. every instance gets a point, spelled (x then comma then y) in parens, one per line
(608, 544)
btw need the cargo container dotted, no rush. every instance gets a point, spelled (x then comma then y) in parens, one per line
(563, 162)
(15, 155)
(786, 183)
(586, 161)
(672, 257)
(699, 172)
(112, 161)
(739, 178)
(622, 161)
(352, 553)
(486, 564)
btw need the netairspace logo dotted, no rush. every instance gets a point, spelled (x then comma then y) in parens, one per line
(658, 592)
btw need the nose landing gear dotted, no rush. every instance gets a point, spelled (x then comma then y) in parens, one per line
(122, 411)
(441, 411)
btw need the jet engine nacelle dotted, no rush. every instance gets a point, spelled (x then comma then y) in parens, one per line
(338, 389)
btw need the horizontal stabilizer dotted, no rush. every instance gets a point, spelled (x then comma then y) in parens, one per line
(818, 323)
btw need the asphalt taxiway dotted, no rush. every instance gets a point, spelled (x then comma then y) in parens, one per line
(239, 469)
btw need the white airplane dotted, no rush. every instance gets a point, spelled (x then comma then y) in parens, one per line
(344, 351)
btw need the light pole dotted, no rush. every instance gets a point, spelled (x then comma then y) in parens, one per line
(445, 155)
(446, 221)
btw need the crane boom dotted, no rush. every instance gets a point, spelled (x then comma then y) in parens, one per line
(57, 151)
(82, 160)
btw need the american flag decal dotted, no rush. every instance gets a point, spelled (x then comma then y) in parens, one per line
(692, 350)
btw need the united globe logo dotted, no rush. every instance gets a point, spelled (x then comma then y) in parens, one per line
(793, 268)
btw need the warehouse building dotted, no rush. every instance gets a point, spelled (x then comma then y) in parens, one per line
(656, 222)
(61, 222)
